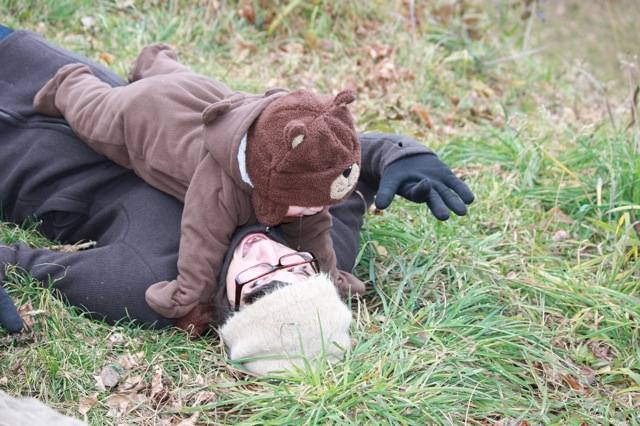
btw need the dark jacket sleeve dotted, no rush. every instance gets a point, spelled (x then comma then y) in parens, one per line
(378, 151)
(381, 149)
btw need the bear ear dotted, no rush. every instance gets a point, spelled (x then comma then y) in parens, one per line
(211, 112)
(344, 98)
(295, 132)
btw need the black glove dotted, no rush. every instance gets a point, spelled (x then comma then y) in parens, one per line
(9, 316)
(424, 178)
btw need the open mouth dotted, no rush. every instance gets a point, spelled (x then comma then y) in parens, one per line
(251, 240)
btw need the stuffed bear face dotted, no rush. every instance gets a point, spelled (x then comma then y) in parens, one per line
(343, 184)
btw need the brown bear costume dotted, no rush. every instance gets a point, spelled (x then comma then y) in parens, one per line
(231, 157)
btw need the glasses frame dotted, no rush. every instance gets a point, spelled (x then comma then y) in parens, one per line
(313, 261)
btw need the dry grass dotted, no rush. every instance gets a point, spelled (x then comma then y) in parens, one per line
(524, 312)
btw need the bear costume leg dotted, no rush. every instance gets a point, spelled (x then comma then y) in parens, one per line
(83, 100)
(156, 59)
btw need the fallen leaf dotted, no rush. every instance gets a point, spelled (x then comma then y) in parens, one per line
(124, 4)
(191, 421)
(109, 376)
(559, 215)
(128, 361)
(115, 339)
(87, 22)
(71, 248)
(205, 397)
(156, 382)
(247, 12)
(382, 251)
(560, 235)
(99, 384)
(25, 312)
(600, 350)
(107, 57)
(199, 379)
(421, 112)
(575, 385)
(86, 403)
(588, 375)
(130, 382)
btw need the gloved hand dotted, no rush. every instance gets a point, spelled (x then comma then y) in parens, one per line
(9, 317)
(424, 178)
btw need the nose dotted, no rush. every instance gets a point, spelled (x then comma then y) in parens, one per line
(347, 171)
(267, 253)
(316, 209)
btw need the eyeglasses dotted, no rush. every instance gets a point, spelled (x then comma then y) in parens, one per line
(302, 263)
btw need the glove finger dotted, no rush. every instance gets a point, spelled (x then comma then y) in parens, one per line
(418, 193)
(386, 192)
(9, 317)
(451, 200)
(437, 206)
(461, 189)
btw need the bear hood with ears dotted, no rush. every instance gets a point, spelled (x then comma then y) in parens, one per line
(302, 150)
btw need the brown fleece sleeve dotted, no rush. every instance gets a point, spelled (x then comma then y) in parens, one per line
(311, 233)
(211, 214)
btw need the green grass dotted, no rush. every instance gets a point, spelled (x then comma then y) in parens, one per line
(526, 311)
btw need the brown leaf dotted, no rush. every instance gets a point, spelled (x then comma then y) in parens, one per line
(130, 383)
(421, 112)
(575, 384)
(560, 235)
(588, 375)
(109, 376)
(559, 215)
(191, 421)
(156, 382)
(205, 397)
(382, 251)
(247, 12)
(27, 313)
(600, 351)
(107, 57)
(71, 248)
(128, 361)
(117, 405)
(86, 403)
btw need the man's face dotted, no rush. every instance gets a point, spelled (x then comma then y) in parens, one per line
(252, 250)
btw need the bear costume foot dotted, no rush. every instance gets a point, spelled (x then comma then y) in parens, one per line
(45, 100)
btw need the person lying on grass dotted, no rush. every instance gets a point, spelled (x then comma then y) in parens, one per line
(49, 177)
(231, 157)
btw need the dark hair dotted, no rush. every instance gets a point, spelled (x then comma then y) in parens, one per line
(223, 309)
(263, 290)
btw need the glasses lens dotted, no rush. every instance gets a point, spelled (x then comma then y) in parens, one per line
(304, 262)
(296, 258)
(254, 272)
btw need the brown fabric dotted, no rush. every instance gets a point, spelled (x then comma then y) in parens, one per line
(181, 132)
(197, 322)
(303, 150)
(316, 226)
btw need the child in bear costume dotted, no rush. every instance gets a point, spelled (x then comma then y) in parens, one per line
(231, 157)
